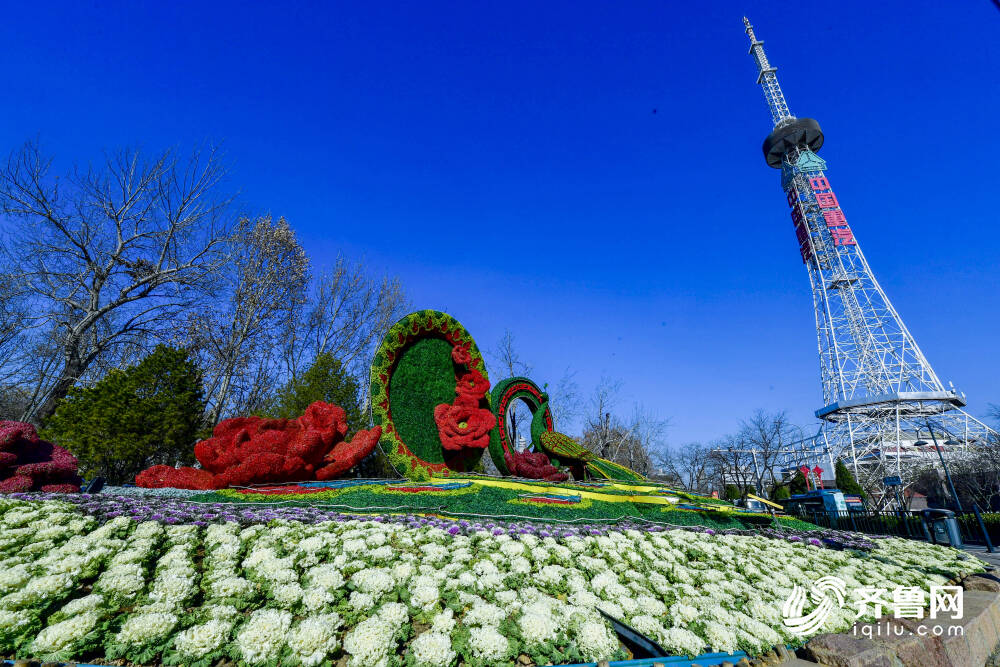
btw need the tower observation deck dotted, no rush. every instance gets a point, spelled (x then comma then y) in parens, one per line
(879, 391)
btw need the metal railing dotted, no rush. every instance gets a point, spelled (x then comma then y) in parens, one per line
(972, 527)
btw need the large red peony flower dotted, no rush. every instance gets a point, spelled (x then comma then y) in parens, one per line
(470, 388)
(463, 425)
(460, 355)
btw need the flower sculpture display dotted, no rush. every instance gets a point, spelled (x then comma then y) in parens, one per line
(28, 463)
(256, 450)
(429, 394)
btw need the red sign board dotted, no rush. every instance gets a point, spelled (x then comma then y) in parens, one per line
(834, 217)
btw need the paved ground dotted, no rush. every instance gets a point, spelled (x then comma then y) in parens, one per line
(981, 553)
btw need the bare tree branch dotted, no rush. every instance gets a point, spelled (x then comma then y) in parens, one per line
(104, 257)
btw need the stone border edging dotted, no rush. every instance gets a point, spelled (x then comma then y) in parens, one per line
(909, 642)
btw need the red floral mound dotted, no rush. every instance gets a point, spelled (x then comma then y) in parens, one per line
(533, 465)
(346, 455)
(30, 464)
(255, 450)
(161, 476)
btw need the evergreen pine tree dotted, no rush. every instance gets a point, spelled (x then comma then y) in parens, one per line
(327, 381)
(846, 481)
(131, 419)
(798, 484)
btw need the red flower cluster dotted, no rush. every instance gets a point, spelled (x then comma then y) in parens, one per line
(463, 423)
(255, 450)
(460, 355)
(533, 465)
(471, 387)
(28, 463)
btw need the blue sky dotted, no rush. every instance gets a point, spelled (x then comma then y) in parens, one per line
(504, 160)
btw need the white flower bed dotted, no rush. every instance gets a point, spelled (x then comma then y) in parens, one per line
(391, 594)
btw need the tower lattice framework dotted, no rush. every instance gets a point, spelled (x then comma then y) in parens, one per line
(880, 394)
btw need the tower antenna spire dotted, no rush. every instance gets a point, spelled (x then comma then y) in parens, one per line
(768, 79)
(789, 132)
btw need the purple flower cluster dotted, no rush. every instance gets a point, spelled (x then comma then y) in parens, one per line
(833, 539)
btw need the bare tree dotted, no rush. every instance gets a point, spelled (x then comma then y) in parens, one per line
(346, 314)
(626, 441)
(732, 462)
(264, 281)
(564, 399)
(689, 466)
(768, 436)
(505, 355)
(13, 320)
(104, 258)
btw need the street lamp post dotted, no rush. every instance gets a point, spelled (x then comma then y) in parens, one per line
(951, 485)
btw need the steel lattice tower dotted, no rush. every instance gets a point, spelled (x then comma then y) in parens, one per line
(880, 394)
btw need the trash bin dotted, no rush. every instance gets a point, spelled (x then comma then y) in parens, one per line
(941, 527)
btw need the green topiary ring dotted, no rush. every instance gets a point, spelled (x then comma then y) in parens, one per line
(502, 396)
(413, 372)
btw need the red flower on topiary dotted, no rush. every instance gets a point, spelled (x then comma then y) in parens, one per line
(533, 465)
(470, 388)
(47, 461)
(15, 484)
(463, 425)
(16, 433)
(460, 355)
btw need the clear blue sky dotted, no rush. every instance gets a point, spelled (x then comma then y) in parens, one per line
(504, 160)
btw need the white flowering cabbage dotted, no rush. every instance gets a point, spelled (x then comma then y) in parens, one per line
(300, 593)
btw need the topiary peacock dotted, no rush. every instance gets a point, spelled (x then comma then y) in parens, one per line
(567, 452)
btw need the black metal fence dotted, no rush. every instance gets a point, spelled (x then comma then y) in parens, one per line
(974, 527)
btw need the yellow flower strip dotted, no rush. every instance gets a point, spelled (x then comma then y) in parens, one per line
(557, 491)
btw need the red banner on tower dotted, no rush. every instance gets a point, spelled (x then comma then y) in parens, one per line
(835, 219)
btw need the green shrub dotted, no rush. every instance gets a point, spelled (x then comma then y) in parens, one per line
(133, 418)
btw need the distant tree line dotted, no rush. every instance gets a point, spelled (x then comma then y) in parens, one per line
(140, 285)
